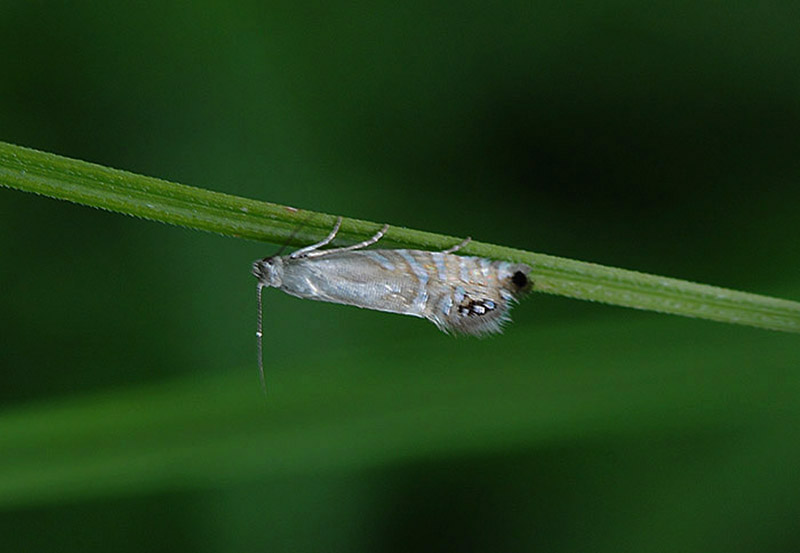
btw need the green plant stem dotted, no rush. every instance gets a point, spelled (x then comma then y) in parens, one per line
(150, 198)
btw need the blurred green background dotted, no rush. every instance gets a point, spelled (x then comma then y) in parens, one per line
(662, 137)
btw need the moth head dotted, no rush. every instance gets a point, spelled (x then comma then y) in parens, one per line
(269, 271)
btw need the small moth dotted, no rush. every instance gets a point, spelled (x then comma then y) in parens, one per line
(459, 294)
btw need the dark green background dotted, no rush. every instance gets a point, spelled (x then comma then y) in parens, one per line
(662, 137)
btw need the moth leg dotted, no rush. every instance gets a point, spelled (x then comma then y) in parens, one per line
(303, 252)
(457, 247)
(368, 242)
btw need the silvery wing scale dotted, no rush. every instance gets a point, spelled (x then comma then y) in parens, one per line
(459, 294)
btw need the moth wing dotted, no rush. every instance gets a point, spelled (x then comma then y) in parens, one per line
(476, 311)
(477, 303)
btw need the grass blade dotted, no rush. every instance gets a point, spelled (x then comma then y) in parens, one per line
(151, 198)
(354, 407)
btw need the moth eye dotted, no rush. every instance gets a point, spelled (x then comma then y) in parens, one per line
(520, 280)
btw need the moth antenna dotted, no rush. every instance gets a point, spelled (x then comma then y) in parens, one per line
(259, 338)
(292, 236)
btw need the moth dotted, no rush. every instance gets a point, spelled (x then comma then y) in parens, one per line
(459, 294)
